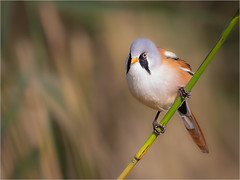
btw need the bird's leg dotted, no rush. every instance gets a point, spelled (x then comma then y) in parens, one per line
(184, 93)
(156, 125)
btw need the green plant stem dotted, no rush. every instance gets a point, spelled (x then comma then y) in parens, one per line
(179, 100)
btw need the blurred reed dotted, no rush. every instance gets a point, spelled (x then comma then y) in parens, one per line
(66, 110)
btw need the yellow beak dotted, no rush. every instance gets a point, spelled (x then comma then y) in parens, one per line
(134, 59)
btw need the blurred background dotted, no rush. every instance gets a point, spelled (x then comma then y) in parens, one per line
(66, 109)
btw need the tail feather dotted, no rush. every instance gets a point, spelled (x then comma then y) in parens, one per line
(192, 126)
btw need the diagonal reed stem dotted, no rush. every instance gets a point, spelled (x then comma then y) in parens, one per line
(179, 100)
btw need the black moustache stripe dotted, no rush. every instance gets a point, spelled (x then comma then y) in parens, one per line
(129, 62)
(144, 63)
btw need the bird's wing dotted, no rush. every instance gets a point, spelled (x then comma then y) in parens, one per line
(170, 56)
(183, 68)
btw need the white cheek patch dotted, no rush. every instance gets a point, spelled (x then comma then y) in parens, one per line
(170, 54)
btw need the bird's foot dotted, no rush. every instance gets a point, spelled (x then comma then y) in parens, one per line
(184, 93)
(156, 125)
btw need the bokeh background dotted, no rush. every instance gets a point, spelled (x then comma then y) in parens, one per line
(65, 108)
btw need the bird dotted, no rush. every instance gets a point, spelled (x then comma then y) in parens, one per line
(156, 77)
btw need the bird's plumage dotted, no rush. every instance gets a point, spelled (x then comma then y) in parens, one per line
(192, 126)
(154, 76)
(159, 89)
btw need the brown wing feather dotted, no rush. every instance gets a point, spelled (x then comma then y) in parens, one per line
(183, 68)
(184, 64)
(180, 62)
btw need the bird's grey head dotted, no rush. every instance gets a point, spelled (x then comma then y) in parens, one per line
(145, 52)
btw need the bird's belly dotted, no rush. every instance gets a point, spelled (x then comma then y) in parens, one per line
(159, 95)
(157, 100)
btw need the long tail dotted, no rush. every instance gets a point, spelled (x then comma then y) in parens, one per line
(192, 126)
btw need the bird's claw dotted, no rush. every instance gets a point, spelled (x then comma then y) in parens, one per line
(184, 93)
(156, 125)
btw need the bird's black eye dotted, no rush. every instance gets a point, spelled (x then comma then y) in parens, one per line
(143, 56)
